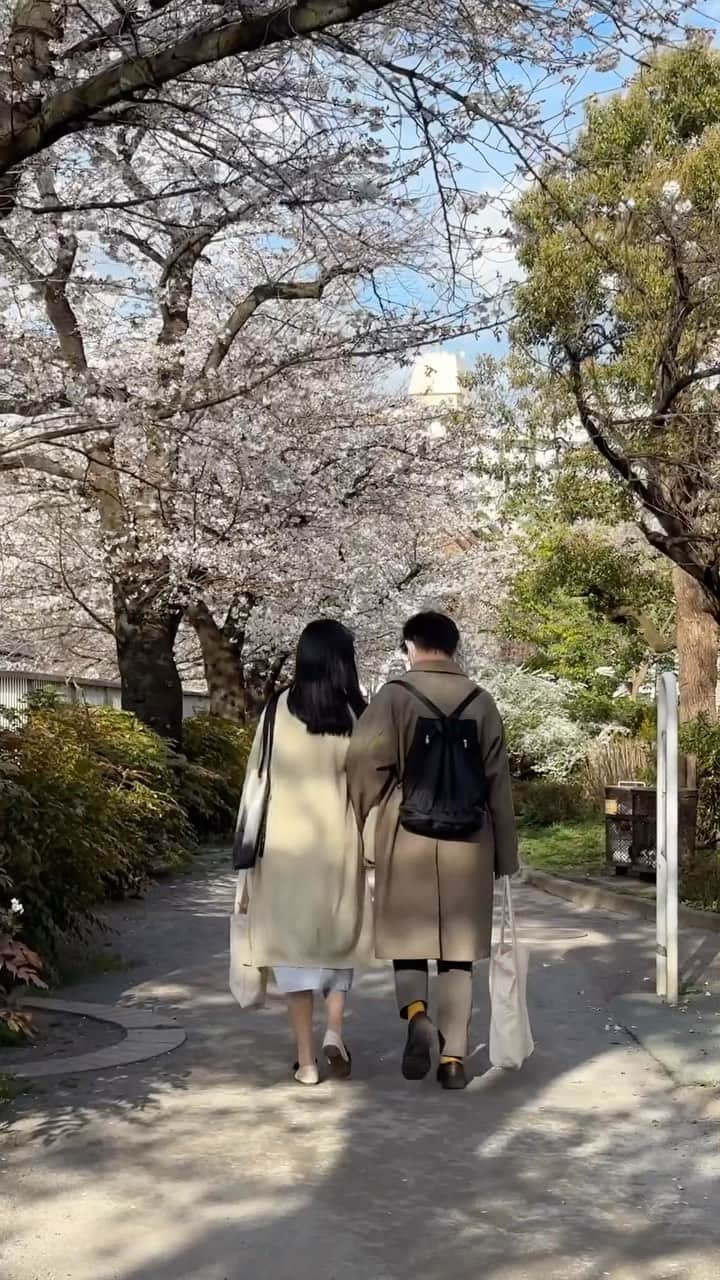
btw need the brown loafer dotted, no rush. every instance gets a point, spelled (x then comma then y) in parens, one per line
(451, 1075)
(421, 1039)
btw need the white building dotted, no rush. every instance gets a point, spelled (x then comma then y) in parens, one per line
(17, 686)
(436, 379)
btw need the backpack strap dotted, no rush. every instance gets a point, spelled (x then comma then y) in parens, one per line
(404, 684)
(473, 694)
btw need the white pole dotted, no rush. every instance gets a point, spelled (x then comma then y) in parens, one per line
(661, 845)
(667, 838)
(671, 837)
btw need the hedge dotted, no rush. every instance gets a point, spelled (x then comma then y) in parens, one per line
(93, 803)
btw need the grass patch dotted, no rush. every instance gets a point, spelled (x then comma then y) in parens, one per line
(11, 1039)
(107, 962)
(10, 1088)
(565, 846)
(80, 966)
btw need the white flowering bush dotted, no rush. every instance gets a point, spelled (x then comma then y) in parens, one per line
(542, 737)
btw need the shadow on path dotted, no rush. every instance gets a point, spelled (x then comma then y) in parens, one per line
(209, 1165)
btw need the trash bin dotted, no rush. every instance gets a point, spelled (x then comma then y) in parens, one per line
(631, 826)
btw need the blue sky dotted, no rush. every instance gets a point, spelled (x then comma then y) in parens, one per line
(500, 178)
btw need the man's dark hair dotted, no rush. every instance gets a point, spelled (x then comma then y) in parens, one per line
(432, 632)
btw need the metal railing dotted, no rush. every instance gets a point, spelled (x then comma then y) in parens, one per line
(666, 951)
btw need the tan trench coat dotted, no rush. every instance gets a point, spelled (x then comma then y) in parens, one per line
(433, 898)
(309, 904)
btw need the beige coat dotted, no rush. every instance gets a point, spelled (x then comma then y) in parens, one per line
(433, 899)
(307, 893)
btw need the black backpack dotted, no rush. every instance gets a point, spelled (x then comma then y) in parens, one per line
(444, 785)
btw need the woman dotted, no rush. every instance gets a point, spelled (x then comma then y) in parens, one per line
(307, 896)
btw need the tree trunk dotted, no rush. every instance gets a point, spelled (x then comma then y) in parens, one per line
(697, 645)
(151, 686)
(238, 691)
(222, 660)
(264, 679)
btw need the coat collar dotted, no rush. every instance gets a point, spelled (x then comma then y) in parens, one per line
(443, 666)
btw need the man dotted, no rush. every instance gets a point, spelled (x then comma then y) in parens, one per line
(429, 752)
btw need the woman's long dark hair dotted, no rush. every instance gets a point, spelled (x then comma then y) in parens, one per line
(325, 693)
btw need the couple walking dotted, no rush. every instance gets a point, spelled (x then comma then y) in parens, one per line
(422, 773)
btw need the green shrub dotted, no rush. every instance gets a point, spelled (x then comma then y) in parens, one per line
(140, 772)
(597, 706)
(212, 775)
(93, 803)
(542, 802)
(700, 880)
(702, 739)
(87, 809)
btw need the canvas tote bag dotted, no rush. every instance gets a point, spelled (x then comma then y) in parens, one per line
(248, 984)
(511, 1040)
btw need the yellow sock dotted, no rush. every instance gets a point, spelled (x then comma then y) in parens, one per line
(449, 1058)
(417, 1006)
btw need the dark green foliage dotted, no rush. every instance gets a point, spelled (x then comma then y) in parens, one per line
(93, 803)
(702, 739)
(540, 802)
(211, 779)
(597, 705)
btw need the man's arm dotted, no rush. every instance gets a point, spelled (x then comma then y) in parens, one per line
(373, 757)
(500, 801)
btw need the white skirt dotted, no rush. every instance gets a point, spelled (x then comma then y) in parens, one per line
(291, 978)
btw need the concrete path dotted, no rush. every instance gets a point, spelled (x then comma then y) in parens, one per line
(208, 1165)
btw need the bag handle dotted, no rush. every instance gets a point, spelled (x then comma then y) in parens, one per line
(242, 891)
(268, 733)
(507, 915)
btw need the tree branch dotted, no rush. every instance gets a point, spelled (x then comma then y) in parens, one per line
(291, 291)
(70, 109)
(35, 24)
(680, 385)
(674, 538)
(613, 456)
(645, 624)
(39, 462)
(179, 269)
(21, 407)
(682, 306)
(51, 436)
(60, 312)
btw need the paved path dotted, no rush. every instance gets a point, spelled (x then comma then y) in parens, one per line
(209, 1165)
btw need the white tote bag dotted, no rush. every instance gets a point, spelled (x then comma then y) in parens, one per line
(511, 1040)
(248, 984)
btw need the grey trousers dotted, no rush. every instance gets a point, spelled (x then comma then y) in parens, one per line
(454, 998)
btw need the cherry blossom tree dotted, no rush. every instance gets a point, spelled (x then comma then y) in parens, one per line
(202, 206)
(67, 67)
(152, 338)
(347, 506)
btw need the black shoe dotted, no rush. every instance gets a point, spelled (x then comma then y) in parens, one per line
(451, 1075)
(421, 1039)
